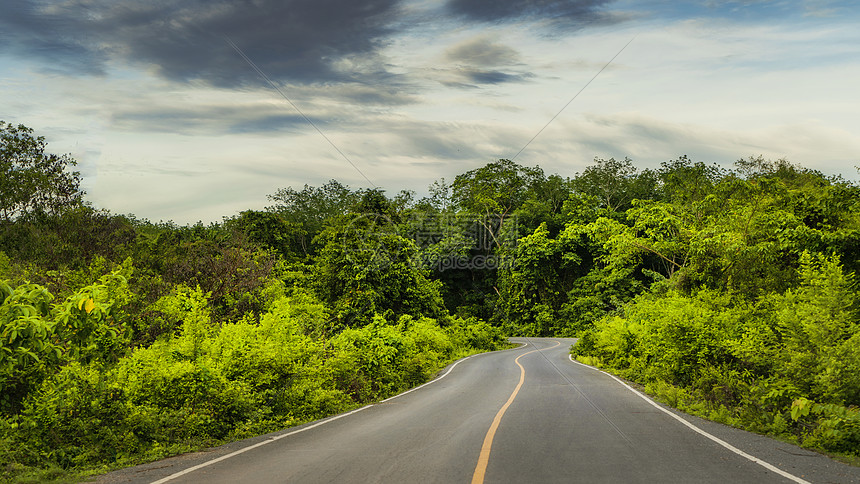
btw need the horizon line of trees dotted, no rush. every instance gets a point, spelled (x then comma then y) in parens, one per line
(529, 252)
(716, 284)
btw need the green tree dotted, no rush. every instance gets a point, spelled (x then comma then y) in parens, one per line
(68, 240)
(819, 327)
(32, 180)
(533, 288)
(308, 209)
(545, 205)
(686, 181)
(493, 192)
(367, 267)
(616, 183)
(271, 231)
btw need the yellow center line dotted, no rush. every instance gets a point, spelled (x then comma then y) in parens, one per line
(484, 458)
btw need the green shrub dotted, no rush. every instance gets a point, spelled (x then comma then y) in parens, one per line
(756, 364)
(77, 417)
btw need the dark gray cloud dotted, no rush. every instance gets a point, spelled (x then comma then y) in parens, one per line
(494, 77)
(567, 11)
(482, 61)
(468, 78)
(210, 120)
(483, 52)
(272, 123)
(27, 31)
(296, 40)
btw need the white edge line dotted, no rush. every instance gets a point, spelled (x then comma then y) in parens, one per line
(718, 440)
(321, 422)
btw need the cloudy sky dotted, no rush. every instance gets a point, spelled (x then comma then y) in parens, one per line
(190, 110)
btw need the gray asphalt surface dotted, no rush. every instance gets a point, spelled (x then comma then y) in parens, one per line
(568, 423)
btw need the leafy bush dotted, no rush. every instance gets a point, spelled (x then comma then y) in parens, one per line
(758, 365)
(206, 383)
(37, 336)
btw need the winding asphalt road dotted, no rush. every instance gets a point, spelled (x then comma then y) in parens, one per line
(526, 415)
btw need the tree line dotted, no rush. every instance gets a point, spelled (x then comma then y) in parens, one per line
(727, 291)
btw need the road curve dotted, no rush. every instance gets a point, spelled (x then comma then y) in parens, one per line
(526, 415)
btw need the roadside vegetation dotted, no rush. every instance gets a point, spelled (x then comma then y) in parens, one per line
(727, 292)
(751, 317)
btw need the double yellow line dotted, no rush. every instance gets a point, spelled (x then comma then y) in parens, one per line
(484, 458)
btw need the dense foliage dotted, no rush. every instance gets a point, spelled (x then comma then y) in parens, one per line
(729, 292)
(196, 336)
(752, 318)
(123, 341)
